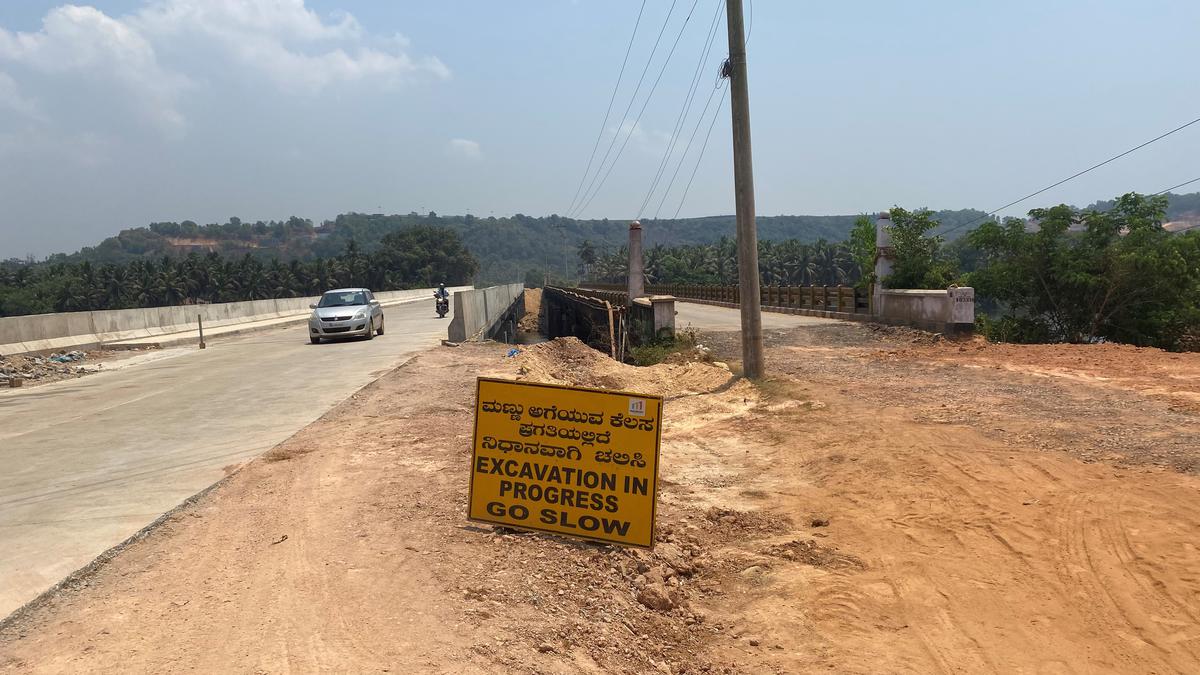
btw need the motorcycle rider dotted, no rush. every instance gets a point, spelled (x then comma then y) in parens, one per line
(441, 299)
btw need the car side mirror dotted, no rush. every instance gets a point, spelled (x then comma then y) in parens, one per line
(374, 302)
(312, 306)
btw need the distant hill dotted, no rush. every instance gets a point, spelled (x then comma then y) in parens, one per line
(507, 248)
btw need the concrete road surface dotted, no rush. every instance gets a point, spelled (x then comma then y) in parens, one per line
(716, 319)
(86, 463)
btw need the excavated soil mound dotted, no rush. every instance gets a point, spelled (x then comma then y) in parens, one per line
(571, 362)
(533, 305)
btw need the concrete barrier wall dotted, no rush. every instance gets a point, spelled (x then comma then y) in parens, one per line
(948, 311)
(78, 330)
(478, 312)
(918, 306)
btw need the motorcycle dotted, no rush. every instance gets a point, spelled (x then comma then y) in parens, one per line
(443, 305)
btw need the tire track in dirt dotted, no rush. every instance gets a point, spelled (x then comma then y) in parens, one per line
(996, 560)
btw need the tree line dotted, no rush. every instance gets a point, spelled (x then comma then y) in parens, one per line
(415, 257)
(508, 248)
(781, 263)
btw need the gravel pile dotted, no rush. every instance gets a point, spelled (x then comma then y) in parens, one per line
(57, 366)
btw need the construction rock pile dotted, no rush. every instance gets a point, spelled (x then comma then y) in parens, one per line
(57, 366)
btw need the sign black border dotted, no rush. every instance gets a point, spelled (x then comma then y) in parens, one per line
(657, 452)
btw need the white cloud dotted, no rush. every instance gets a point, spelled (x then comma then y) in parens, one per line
(86, 41)
(466, 149)
(281, 19)
(12, 99)
(155, 54)
(286, 41)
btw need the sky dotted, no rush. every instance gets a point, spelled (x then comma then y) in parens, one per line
(125, 112)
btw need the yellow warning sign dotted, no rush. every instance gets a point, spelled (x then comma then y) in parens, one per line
(567, 460)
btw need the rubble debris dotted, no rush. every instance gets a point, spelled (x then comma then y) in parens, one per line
(57, 366)
(67, 357)
(656, 597)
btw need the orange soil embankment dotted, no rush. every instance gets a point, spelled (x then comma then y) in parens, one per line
(877, 506)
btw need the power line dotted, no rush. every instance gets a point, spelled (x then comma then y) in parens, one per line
(642, 111)
(611, 99)
(1071, 177)
(625, 115)
(687, 148)
(750, 28)
(645, 104)
(685, 110)
(1176, 187)
(687, 106)
(701, 155)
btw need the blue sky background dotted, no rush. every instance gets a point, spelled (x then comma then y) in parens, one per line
(125, 112)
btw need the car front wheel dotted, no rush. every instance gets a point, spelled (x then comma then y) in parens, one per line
(380, 331)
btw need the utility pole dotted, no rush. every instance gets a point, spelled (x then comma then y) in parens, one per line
(743, 189)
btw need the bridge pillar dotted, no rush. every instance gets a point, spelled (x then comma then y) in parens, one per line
(885, 257)
(637, 270)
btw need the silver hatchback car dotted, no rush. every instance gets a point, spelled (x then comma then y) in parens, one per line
(346, 312)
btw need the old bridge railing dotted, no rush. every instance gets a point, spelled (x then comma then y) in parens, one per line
(842, 299)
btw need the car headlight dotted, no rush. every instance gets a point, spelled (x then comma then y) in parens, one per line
(360, 314)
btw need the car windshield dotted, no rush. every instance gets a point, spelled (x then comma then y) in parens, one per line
(347, 299)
